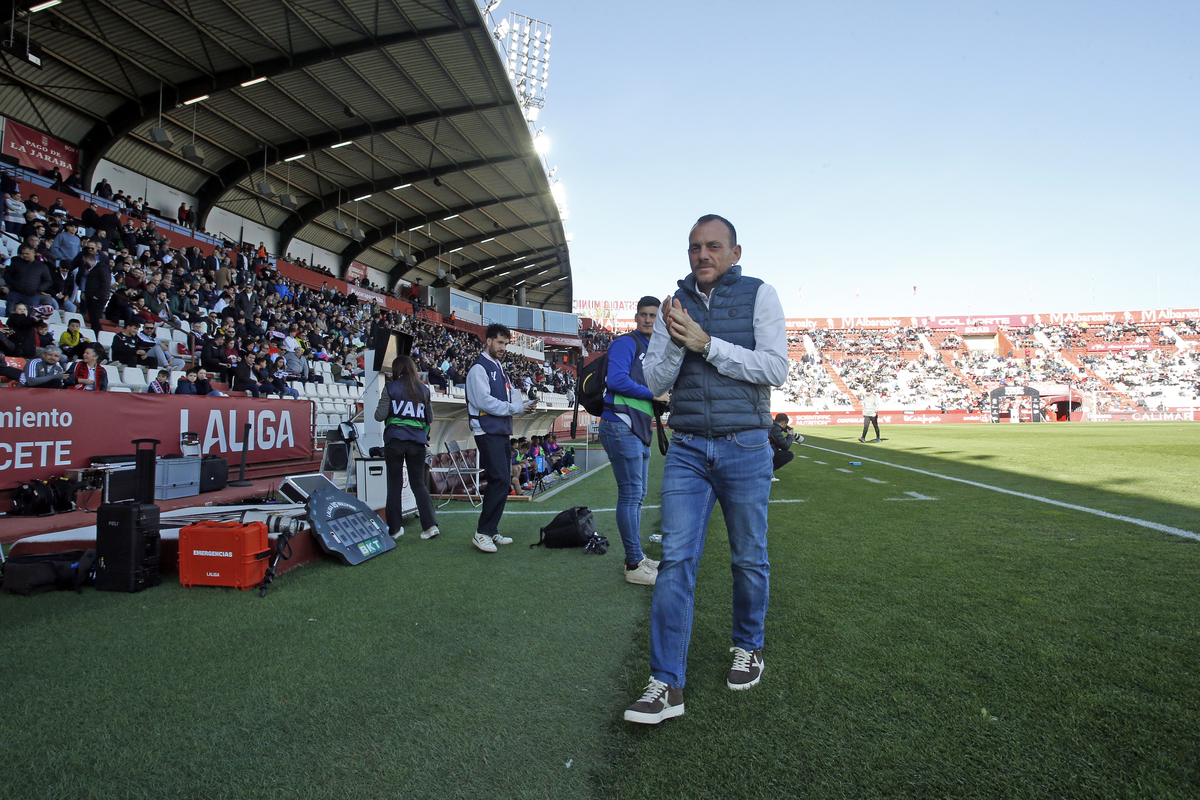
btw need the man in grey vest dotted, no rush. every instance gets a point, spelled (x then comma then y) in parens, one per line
(491, 403)
(719, 342)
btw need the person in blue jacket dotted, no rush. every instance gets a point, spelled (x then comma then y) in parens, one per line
(625, 433)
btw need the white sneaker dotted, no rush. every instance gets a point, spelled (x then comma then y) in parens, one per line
(430, 532)
(398, 534)
(498, 539)
(643, 574)
(484, 543)
(774, 479)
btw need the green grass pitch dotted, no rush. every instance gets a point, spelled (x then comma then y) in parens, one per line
(949, 619)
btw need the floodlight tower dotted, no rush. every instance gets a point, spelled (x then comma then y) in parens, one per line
(525, 43)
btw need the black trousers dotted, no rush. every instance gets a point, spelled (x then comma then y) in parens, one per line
(495, 452)
(95, 312)
(398, 454)
(868, 422)
(780, 458)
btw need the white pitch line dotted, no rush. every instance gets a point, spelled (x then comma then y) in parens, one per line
(911, 496)
(1154, 526)
(874, 480)
(819, 462)
(847, 471)
(593, 510)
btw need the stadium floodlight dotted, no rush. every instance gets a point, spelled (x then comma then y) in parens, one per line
(558, 192)
(526, 54)
(254, 81)
(295, 158)
(398, 188)
(364, 197)
(340, 144)
(44, 6)
(195, 100)
(541, 142)
(491, 6)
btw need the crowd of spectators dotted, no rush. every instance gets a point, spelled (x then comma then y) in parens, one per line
(446, 356)
(250, 327)
(861, 341)
(1154, 379)
(597, 340)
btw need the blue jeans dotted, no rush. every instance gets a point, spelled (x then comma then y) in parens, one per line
(736, 470)
(630, 461)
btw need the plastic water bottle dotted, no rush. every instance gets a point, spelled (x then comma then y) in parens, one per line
(856, 463)
(656, 537)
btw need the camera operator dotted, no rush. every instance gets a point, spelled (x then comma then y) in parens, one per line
(782, 437)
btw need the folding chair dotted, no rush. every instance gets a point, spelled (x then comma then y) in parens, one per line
(459, 473)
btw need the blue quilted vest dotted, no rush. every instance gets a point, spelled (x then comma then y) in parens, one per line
(705, 402)
(499, 386)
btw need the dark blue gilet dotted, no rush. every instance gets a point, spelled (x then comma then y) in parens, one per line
(406, 419)
(499, 386)
(704, 401)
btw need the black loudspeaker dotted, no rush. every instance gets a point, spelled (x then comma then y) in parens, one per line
(128, 547)
(214, 473)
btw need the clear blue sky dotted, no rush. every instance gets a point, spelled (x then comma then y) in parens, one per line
(1002, 157)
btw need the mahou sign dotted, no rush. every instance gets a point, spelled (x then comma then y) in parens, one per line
(44, 432)
(37, 151)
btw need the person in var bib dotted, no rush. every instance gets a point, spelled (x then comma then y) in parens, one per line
(407, 413)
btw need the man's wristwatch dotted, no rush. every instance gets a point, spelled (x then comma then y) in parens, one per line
(707, 347)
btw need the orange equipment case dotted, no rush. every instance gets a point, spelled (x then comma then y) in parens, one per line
(223, 554)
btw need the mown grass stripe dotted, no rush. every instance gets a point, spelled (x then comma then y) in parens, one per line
(1154, 526)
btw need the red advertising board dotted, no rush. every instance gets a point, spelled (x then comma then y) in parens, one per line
(992, 322)
(44, 432)
(1178, 415)
(355, 272)
(38, 151)
(811, 418)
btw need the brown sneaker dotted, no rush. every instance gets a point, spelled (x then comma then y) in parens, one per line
(747, 668)
(658, 702)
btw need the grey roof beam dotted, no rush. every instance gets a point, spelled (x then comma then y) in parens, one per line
(318, 206)
(104, 136)
(237, 171)
(377, 235)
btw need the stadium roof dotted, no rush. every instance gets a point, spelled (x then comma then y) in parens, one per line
(393, 117)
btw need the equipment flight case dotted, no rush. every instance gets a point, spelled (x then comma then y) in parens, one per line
(128, 543)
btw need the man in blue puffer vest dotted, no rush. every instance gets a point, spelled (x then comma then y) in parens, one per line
(719, 342)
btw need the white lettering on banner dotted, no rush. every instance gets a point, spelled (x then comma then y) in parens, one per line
(35, 419)
(213, 553)
(32, 455)
(266, 434)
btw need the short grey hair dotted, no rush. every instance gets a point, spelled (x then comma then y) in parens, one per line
(53, 350)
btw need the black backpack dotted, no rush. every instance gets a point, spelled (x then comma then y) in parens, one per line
(589, 390)
(44, 572)
(571, 528)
